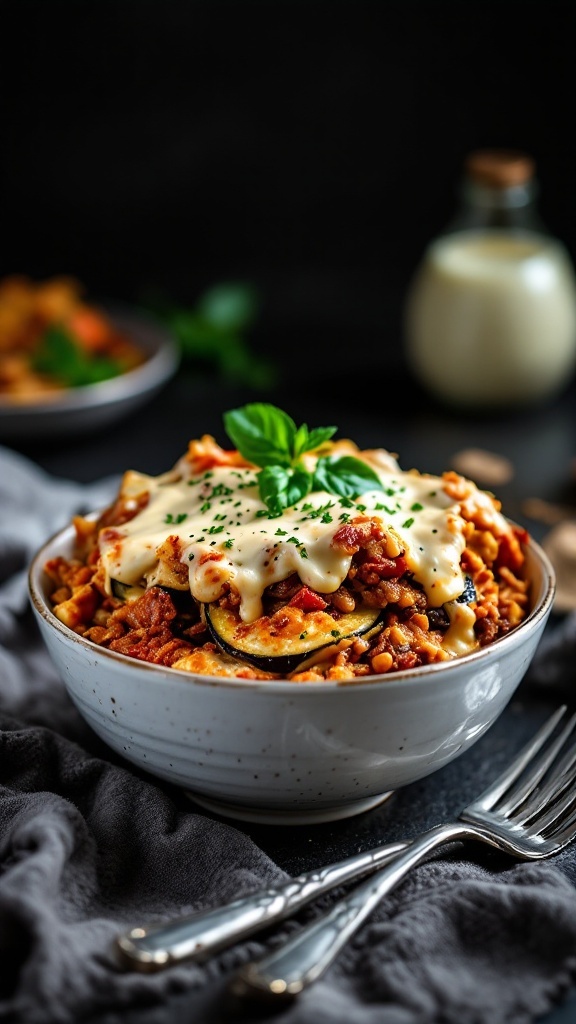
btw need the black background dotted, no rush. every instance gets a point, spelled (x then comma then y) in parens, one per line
(312, 148)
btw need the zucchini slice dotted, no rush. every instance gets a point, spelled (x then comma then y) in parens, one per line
(280, 642)
(126, 591)
(215, 663)
(162, 576)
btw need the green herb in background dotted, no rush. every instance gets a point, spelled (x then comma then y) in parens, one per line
(214, 333)
(58, 356)
(267, 436)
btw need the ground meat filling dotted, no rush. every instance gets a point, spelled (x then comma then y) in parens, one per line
(150, 628)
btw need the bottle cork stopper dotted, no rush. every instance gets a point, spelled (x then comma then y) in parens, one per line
(500, 168)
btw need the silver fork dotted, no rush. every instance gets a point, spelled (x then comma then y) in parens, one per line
(529, 812)
(153, 947)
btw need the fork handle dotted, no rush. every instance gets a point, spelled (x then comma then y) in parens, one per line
(301, 960)
(150, 948)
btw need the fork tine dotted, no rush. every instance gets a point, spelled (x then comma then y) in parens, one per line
(567, 831)
(524, 787)
(562, 776)
(553, 818)
(490, 796)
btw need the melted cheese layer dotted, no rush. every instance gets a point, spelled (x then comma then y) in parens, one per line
(226, 534)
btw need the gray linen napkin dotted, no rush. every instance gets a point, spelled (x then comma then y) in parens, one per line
(89, 846)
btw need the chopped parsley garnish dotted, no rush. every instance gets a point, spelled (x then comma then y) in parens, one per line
(317, 512)
(407, 523)
(416, 507)
(176, 519)
(221, 489)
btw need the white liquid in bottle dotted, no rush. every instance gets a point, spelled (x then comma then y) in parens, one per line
(492, 317)
(491, 314)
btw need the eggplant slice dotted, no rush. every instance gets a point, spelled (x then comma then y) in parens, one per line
(468, 595)
(216, 663)
(272, 651)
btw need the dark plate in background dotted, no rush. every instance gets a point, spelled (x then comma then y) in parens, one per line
(93, 406)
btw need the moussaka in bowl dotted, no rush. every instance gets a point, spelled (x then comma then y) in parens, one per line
(291, 627)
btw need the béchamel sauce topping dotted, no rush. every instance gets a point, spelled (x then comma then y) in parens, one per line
(228, 535)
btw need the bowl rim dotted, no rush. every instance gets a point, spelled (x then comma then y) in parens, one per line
(406, 677)
(160, 350)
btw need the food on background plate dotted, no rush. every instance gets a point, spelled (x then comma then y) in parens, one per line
(51, 339)
(292, 556)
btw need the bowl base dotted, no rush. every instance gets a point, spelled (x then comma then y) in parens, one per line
(269, 816)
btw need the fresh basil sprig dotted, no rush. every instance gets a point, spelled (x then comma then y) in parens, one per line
(268, 437)
(215, 332)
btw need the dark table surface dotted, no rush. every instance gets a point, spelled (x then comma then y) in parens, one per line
(382, 412)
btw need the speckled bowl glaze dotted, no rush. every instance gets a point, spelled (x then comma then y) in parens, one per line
(287, 752)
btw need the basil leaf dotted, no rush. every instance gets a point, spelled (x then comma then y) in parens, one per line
(299, 485)
(308, 440)
(229, 307)
(346, 476)
(280, 488)
(300, 442)
(262, 433)
(213, 334)
(319, 436)
(197, 336)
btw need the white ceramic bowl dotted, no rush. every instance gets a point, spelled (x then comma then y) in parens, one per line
(97, 405)
(288, 752)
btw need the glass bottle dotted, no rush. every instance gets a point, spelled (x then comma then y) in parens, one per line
(491, 313)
